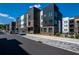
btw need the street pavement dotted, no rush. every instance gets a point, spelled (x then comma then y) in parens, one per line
(14, 44)
(59, 42)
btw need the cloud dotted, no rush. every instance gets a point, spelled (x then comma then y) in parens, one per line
(30, 6)
(7, 16)
(1, 23)
(36, 5)
(4, 15)
(12, 17)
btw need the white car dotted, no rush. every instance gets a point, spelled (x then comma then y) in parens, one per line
(22, 33)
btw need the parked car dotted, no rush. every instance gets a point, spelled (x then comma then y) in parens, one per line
(22, 33)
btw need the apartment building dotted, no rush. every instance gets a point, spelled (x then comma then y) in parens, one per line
(41, 20)
(33, 20)
(65, 25)
(26, 22)
(7, 27)
(21, 23)
(18, 24)
(52, 19)
(12, 27)
(71, 25)
(76, 25)
(68, 25)
(48, 20)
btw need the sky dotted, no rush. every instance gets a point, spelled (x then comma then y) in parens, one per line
(69, 9)
(10, 11)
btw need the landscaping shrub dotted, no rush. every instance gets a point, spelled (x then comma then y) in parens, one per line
(71, 36)
(77, 36)
(57, 34)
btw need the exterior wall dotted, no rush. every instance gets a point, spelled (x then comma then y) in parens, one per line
(57, 20)
(30, 17)
(22, 21)
(48, 30)
(41, 19)
(48, 15)
(68, 25)
(34, 20)
(52, 18)
(65, 25)
(26, 22)
(18, 24)
(7, 27)
(71, 26)
(48, 18)
(76, 25)
(13, 27)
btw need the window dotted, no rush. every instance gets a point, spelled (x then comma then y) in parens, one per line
(41, 16)
(51, 13)
(50, 30)
(65, 25)
(65, 29)
(29, 23)
(44, 15)
(50, 22)
(55, 21)
(45, 30)
(29, 17)
(24, 24)
(65, 22)
(78, 24)
(55, 14)
(71, 30)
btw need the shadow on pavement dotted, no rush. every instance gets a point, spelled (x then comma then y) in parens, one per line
(11, 47)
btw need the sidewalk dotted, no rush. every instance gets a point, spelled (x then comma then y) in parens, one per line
(60, 42)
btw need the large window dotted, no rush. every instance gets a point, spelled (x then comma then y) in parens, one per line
(65, 25)
(29, 23)
(44, 15)
(71, 30)
(78, 23)
(65, 29)
(50, 22)
(65, 21)
(55, 13)
(49, 13)
(50, 30)
(55, 21)
(41, 16)
(29, 17)
(45, 30)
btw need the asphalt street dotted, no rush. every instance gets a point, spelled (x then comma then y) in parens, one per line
(14, 44)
